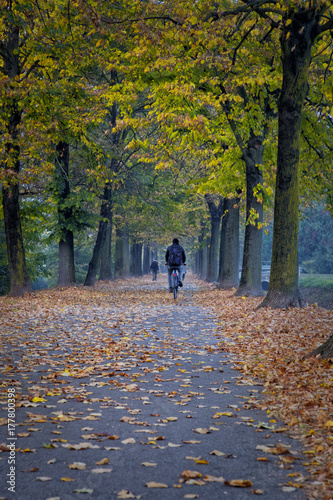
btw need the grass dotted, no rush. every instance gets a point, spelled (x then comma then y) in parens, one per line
(318, 288)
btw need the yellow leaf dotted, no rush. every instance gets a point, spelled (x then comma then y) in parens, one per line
(241, 483)
(36, 399)
(293, 421)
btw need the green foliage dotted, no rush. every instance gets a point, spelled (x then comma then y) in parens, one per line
(316, 240)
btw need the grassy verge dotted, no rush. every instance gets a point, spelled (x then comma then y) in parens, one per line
(318, 288)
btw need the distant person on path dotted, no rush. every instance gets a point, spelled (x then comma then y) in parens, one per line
(175, 258)
(154, 269)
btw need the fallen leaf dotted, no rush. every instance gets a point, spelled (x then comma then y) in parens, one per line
(129, 441)
(153, 484)
(217, 453)
(239, 483)
(190, 474)
(77, 465)
(104, 461)
(125, 494)
(211, 479)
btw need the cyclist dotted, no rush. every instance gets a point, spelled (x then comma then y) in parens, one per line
(175, 258)
(154, 269)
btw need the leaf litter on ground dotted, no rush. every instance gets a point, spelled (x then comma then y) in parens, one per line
(269, 345)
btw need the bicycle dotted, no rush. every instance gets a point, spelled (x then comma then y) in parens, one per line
(175, 282)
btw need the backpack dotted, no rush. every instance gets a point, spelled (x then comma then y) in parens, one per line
(175, 255)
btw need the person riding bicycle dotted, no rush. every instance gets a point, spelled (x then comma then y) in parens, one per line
(175, 258)
(154, 269)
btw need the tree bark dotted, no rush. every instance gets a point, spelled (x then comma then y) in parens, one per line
(66, 274)
(18, 273)
(106, 254)
(126, 253)
(325, 350)
(119, 257)
(101, 236)
(136, 259)
(200, 252)
(250, 282)
(215, 212)
(283, 289)
(146, 259)
(229, 247)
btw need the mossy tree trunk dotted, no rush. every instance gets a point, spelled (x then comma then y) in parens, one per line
(19, 279)
(229, 246)
(105, 217)
(296, 43)
(250, 282)
(215, 206)
(66, 274)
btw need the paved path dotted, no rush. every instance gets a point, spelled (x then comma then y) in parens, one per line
(137, 397)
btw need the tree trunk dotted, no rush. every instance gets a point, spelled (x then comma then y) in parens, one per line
(229, 247)
(215, 212)
(66, 274)
(18, 273)
(283, 289)
(19, 279)
(101, 235)
(200, 252)
(126, 254)
(250, 283)
(106, 255)
(136, 259)
(146, 259)
(324, 350)
(119, 257)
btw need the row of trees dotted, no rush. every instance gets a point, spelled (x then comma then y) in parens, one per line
(137, 115)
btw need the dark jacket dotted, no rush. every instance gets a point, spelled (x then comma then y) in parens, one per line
(169, 250)
(154, 266)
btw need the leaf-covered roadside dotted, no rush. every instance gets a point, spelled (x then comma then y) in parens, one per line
(271, 344)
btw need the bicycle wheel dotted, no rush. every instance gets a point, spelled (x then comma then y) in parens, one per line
(175, 285)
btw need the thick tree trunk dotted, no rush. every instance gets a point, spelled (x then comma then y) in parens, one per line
(325, 350)
(101, 235)
(19, 279)
(250, 283)
(66, 274)
(215, 212)
(283, 289)
(229, 247)
(18, 273)
(105, 273)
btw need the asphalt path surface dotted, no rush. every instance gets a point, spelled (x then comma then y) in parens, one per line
(170, 408)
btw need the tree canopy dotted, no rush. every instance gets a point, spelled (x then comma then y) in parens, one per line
(160, 104)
